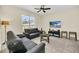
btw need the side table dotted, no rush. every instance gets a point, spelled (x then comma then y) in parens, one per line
(42, 37)
(63, 32)
(73, 33)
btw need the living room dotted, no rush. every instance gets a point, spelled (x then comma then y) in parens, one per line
(67, 15)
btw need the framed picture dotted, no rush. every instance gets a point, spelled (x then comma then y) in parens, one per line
(55, 24)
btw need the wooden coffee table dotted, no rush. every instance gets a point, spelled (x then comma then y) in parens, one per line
(43, 36)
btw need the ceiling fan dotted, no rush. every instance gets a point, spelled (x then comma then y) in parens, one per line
(42, 8)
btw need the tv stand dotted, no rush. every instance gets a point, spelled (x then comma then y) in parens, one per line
(54, 33)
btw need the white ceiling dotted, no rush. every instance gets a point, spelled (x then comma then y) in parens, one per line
(54, 8)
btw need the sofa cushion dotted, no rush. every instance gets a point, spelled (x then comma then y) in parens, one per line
(27, 30)
(34, 34)
(28, 43)
(16, 46)
(34, 30)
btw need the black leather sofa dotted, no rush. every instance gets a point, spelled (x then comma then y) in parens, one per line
(55, 33)
(32, 33)
(23, 45)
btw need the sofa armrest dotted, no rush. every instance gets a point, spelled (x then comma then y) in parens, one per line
(38, 49)
(26, 35)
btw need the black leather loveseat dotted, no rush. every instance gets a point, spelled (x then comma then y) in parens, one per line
(32, 33)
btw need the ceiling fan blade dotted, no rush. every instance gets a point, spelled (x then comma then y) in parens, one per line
(37, 8)
(44, 11)
(47, 8)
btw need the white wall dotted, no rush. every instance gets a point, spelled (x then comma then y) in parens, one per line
(69, 19)
(14, 15)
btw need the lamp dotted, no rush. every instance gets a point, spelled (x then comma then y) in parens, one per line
(5, 23)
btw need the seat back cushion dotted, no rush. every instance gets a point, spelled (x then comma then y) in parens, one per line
(33, 30)
(27, 30)
(10, 36)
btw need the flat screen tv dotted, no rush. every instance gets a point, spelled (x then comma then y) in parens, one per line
(55, 24)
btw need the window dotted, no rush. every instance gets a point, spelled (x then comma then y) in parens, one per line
(28, 21)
